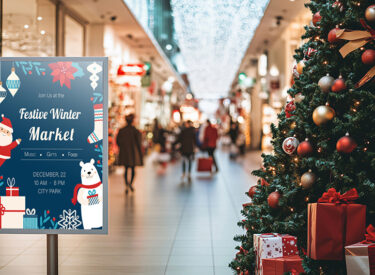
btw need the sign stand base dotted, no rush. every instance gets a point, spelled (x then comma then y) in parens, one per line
(52, 254)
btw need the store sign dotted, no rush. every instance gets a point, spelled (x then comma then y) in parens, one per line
(53, 145)
(131, 70)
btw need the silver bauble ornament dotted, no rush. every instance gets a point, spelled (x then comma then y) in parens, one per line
(325, 83)
(370, 14)
(308, 179)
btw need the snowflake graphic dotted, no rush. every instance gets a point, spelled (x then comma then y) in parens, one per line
(69, 220)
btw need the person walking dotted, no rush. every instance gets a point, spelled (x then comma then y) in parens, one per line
(209, 143)
(187, 140)
(129, 142)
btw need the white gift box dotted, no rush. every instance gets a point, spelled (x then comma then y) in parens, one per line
(12, 210)
(360, 259)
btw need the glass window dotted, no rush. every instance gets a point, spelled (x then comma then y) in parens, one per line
(74, 37)
(29, 28)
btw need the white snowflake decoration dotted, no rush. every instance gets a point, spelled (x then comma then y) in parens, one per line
(69, 220)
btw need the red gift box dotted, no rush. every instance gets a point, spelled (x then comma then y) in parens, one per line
(278, 266)
(10, 190)
(333, 223)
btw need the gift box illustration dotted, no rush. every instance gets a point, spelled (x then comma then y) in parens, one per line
(360, 257)
(11, 190)
(93, 197)
(278, 266)
(12, 210)
(272, 245)
(30, 219)
(334, 222)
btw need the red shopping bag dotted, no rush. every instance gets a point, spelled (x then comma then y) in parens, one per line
(204, 164)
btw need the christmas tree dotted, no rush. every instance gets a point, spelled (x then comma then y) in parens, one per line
(325, 136)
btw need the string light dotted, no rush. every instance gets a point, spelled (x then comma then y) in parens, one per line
(213, 37)
(365, 149)
(291, 209)
(320, 149)
(307, 199)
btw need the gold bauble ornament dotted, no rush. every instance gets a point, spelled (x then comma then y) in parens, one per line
(300, 66)
(308, 179)
(370, 14)
(323, 114)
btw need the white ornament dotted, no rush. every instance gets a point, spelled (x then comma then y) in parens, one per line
(3, 92)
(94, 69)
(69, 220)
(13, 82)
(290, 144)
(299, 97)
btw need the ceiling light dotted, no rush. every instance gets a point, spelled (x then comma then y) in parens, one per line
(213, 36)
(39, 18)
(42, 32)
(26, 26)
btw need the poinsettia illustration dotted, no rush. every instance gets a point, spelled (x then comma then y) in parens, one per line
(62, 71)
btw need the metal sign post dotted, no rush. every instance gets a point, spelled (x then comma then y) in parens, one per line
(52, 254)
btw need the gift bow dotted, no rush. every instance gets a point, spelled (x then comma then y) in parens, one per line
(331, 196)
(30, 211)
(11, 182)
(2, 210)
(92, 193)
(370, 236)
(356, 40)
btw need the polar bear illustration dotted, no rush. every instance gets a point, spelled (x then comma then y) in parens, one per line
(90, 195)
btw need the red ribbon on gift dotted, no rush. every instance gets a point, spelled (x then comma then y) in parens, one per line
(332, 196)
(370, 236)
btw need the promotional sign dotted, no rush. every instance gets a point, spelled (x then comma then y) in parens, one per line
(53, 145)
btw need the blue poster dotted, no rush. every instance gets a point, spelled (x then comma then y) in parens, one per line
(53, 145)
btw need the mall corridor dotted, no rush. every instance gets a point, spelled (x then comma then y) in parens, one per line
(165, 227)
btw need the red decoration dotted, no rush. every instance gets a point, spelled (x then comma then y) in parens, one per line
(252, 191)
(289, 145)
(334, 224)
(338, 85)
(346, 144)
(273, 199)
(368, 57)
(263, 182)
(63, 72)
(304, 148)
(332, 36)
(316, 18)
(290, 107)
(370, 236)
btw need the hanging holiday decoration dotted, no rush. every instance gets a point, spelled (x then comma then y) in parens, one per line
(316, 18)
(3, 92)
(370, 14)
(333, 35)
(295, 71)
(13, 82)
(304, 148)
(309, 53)
(338, 5)
(290, 144)
(299, 97)
(263, 182)
(368, 57)
(346, 144)
(308, 179)
(323, 114)
(252, 191)
(273, 199)
(300, 66)
(289, 108)
(325, 83)
(338, 85)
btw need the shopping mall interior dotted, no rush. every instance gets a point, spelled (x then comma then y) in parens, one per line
(265, 85)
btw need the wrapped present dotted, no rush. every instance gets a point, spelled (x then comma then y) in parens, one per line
(278, 266)
(334, 222)
(360, 257)
(12, 210)
(273, 245)
(11, 190)
(93, 197)
(30, 220)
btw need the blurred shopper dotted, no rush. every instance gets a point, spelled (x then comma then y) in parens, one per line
(241, 142)
(129, 141)
(233, 134)
(210, 140)
(187, 141)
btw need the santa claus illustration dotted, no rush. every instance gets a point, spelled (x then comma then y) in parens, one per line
(6, 140)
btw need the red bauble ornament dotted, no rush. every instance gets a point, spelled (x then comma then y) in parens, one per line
(273, 199)
(290, 107)
(290, 144)
(304, 148)
(346, 144)
(252, 191)
(338, 85)
(332, 35)
(368, 57)
(263, 182)
(316, 18)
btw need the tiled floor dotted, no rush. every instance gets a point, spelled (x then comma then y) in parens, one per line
(165, 227)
